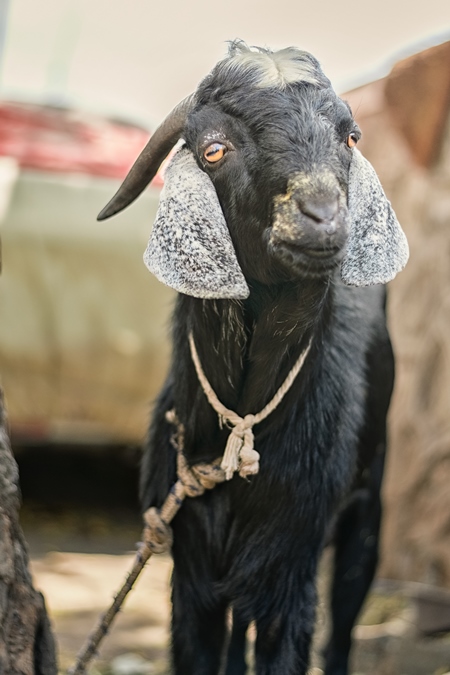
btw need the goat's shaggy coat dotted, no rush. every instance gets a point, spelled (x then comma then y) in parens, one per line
(282, 187)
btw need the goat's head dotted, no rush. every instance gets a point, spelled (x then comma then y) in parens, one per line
(269, 186)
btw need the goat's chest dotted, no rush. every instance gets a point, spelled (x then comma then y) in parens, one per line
(307, 448)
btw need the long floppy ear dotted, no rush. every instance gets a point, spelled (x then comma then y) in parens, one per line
(377, 248)
(190, 247)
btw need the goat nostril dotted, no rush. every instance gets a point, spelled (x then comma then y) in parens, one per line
(321, 212)
(330, 226)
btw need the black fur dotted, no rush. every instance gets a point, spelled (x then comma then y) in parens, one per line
(254, 545)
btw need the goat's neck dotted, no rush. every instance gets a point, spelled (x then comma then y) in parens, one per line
(279, 317)
(247, 349)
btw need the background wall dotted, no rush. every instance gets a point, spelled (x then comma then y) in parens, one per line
(406, 135)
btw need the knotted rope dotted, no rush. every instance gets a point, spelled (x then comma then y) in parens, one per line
(157, 534)
(240, 454)
(192, 482)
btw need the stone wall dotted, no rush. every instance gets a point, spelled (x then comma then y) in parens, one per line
(407, 138)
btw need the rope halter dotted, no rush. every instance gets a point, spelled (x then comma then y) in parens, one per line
(240, 454)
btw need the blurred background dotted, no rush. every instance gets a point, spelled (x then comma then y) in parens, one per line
(83, 325)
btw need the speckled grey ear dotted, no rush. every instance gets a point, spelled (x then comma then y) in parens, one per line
(190, 247)
(377, 248)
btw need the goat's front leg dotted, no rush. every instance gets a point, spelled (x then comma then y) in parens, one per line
(198, 628)
(355, 561)
(284, 636)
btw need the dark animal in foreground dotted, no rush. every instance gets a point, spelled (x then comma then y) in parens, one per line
(269, 217)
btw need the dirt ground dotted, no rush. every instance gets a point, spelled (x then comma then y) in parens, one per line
(78, 586)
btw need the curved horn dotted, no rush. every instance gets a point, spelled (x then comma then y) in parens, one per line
(147, 164)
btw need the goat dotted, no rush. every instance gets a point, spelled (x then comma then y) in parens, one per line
(277, 234)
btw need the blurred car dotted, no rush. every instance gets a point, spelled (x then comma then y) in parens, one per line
(83, 345)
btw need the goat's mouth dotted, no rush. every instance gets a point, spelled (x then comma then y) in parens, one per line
(308, 262)
(319, 254)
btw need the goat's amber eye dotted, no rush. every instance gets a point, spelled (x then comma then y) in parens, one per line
(352, 140)
(214, 152)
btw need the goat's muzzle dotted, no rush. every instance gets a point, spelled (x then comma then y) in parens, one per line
(310, 224)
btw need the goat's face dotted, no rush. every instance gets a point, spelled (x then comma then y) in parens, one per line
(279, 161)
(269, 187)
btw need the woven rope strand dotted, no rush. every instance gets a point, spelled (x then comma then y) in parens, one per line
(89, 649)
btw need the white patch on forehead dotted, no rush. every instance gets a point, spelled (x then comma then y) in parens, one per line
(273, 69)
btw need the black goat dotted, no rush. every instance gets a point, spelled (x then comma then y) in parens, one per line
(264, 211)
